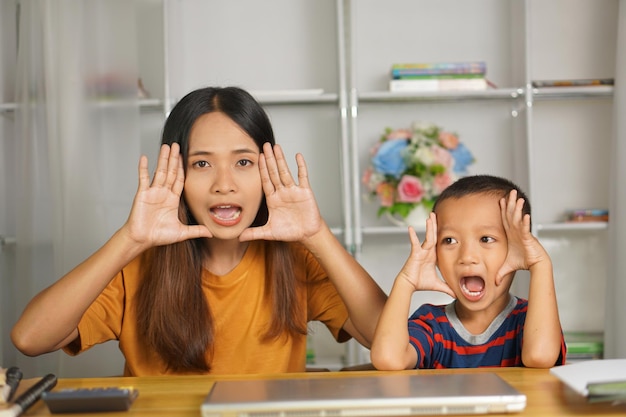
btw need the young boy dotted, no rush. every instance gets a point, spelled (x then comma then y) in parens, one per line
(477, 236)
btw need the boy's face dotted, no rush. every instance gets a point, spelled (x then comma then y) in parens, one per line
(471, 247)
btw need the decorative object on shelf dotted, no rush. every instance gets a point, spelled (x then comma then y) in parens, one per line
(142, 93)
(409, 168)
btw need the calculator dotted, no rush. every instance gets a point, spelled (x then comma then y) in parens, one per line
(84, 400)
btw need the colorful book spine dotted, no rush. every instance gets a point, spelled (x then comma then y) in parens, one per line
(437, 76)
(573, 82)
(438, 68)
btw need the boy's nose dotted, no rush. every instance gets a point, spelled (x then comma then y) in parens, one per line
(468, 254)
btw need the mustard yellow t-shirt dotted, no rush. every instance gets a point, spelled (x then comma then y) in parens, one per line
(241, 310)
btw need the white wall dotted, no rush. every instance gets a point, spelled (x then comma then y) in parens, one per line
(222, 43)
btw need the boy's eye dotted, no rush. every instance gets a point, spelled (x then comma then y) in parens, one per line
(448, 240)
(487, 239)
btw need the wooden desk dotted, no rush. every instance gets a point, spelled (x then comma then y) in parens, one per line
(182, 395)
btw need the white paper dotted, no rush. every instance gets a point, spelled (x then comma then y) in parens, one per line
(578, 375)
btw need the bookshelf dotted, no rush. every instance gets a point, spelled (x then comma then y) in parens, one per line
(539, 137)
(321, 70)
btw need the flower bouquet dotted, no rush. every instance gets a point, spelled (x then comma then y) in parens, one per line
(411, 167)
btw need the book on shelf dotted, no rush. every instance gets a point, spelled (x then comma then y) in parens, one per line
(586, 82)
(438, 68)
(582, 346)
(437, 76)
(587, 215)
(438, 84)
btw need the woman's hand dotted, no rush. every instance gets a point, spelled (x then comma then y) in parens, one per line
(153, 219)
(293, 211)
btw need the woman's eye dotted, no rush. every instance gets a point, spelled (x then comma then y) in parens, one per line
(244, 162)
(201, 164)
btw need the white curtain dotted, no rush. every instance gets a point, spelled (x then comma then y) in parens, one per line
(78, 145)
(615, 339)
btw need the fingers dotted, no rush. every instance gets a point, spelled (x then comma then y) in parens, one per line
(277, 168)
(431, 230)
(169, 172)
(174, 166)
(179, 182)
(266, 182)
(415, 242)
(197, 231)
(303, 173)
(144, 176)
(160, 174)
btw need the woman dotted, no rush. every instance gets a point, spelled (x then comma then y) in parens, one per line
(222, 262)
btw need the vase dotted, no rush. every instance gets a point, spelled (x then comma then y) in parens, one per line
(416, 218)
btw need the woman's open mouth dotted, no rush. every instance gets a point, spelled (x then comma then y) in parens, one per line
(226, 215)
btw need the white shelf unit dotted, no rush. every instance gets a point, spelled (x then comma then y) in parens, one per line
(346, 48)
(538, 137)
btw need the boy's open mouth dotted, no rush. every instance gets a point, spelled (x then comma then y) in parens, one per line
(472, 286)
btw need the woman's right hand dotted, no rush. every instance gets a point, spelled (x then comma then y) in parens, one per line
(153, 219)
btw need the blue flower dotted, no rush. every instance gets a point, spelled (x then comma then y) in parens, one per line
(388, 160)
(462, 159)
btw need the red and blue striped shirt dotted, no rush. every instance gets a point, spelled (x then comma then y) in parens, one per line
(441, 341)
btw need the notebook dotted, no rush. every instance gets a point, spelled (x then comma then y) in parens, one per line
(364, 396)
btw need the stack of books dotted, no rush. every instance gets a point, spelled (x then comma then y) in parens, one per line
(439, 76)
(587, 215)
(584, 346)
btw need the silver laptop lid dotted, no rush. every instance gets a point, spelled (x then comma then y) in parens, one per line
(382, 394)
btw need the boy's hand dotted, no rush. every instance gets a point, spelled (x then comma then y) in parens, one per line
(524, 250)
(420, 270)
(293, 211)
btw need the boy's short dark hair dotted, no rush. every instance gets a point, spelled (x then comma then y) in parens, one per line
(482, 184)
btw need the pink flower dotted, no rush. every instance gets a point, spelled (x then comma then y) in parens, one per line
(441, 182)
(367, 175)
(448, 140)
(399, 134)
(410, 189)
(441, 156)
(385, 194)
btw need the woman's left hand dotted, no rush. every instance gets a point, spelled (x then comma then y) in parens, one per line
(293, 211)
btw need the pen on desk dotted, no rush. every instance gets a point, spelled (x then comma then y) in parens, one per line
(13, 376)
(30, 396)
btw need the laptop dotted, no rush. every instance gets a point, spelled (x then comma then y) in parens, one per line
(364, 396)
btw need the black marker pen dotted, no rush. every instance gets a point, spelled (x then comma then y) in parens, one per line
(13, 376)
(30, 397)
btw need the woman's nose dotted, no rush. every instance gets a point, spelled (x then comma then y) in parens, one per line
(224, 181)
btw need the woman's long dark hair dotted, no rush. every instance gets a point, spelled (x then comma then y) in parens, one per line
(174, 317)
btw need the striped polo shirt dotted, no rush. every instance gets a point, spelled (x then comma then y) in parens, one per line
(441, 341)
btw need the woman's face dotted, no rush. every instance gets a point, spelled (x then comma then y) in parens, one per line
(222, 184)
